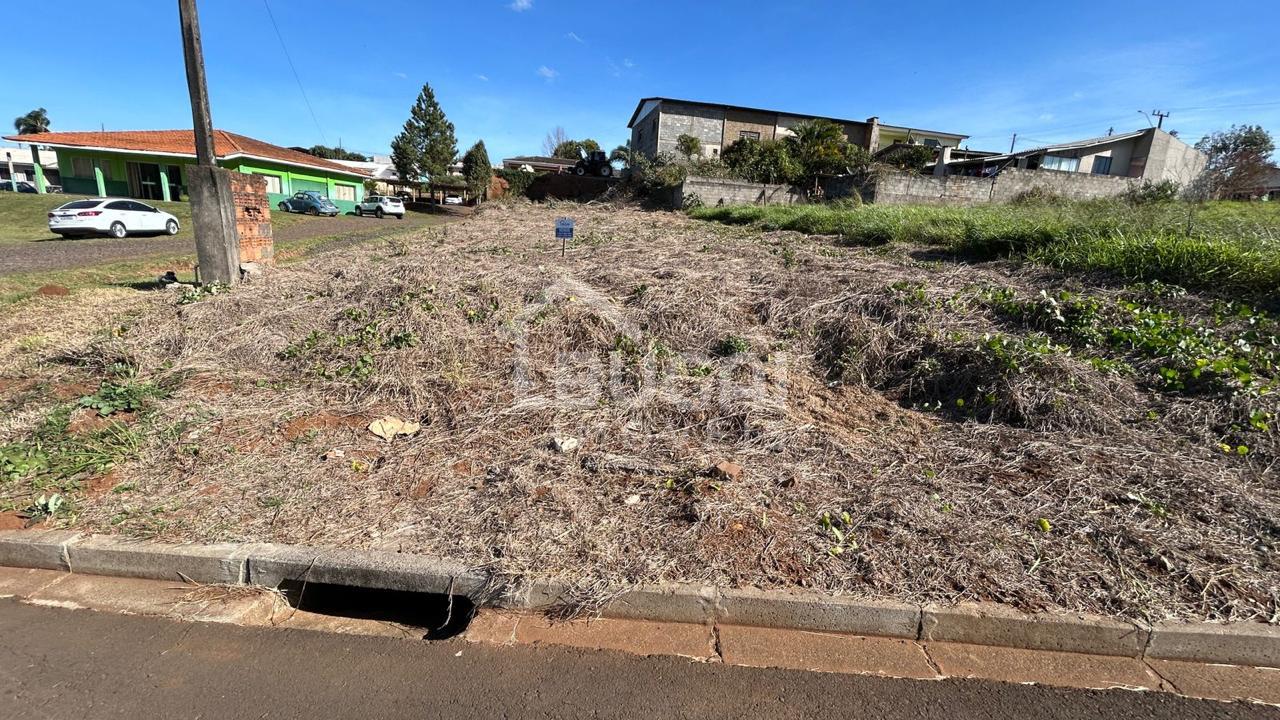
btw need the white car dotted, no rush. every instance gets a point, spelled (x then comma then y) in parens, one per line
(379, 205)
(116, 217)
(452, 199)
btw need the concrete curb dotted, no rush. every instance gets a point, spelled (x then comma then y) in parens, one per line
(1253, 644)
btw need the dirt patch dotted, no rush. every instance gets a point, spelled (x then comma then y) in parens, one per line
(73, 390)
(85, 421)
(12, 521)
(310, 426)
(100, 485)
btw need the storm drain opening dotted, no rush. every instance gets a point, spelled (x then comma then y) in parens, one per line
(439, 615)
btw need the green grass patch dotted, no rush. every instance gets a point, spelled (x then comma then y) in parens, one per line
(25, 217)
(1227, 247)
(55, 463)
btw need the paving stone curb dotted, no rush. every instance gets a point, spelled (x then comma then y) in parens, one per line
(270, 565)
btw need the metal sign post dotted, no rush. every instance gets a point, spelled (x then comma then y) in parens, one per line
(564, 231)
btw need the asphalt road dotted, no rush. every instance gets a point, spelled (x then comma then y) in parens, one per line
(70, 253)
(57, 663)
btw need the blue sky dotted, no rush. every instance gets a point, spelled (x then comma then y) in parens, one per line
(509, 71)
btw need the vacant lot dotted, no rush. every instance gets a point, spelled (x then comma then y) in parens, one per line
(888, 421)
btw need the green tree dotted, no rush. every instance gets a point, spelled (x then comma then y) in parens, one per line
(477, 169)
(908, 156)
(324, 151)
(426, 145)
(764, 161)
(1238, 162)
(819, 148)
(36, 121)
(574, 149)
(623, 155)
(688, 146)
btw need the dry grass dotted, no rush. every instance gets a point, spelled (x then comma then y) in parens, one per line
(842, 405)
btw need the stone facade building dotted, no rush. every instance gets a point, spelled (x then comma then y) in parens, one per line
(657, 122)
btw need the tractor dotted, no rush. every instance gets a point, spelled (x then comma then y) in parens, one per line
(596, 162)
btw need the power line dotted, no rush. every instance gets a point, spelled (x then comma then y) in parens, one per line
(296, 77)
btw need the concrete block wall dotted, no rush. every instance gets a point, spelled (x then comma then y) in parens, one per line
(253, 218)
(899, 188)
(716, 191)
(706, 124)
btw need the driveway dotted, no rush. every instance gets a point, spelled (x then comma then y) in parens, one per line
(67, 254)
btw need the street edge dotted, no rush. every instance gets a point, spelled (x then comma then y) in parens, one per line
(270, 565)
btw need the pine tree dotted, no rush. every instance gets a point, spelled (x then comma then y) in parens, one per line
(427, 144)
(477, 170)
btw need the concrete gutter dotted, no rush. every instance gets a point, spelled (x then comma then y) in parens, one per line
(265, 564)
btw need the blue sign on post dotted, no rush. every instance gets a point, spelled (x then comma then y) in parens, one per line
(564, 232)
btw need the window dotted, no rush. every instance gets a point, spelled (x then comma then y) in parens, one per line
(748, 135)
(120, 205)
(273, 183)
(930, 142)
(344, 192)
(1056, 162)
(1102, 165)
(82, 167)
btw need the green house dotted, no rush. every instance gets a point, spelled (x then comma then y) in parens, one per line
(151, 165)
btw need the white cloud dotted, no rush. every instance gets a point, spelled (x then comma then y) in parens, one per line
(547, 73)
(574, 37)
(521, 5)
(482, 78)
(626, 63)
(1046, 117)
(401, 75)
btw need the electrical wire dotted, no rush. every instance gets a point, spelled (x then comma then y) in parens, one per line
(296, 77)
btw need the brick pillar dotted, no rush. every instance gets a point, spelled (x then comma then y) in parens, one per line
(253, 218)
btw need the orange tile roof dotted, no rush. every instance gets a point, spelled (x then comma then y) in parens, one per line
(182, 142)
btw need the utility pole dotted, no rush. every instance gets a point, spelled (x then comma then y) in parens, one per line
(1161, 114)
(212, 209)
(1013, 142)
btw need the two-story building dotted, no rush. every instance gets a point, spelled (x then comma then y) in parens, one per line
(657, 123)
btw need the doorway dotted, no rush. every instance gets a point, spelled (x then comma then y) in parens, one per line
(144, 181)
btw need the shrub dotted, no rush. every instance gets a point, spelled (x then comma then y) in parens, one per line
(907, 156)
(518, 181)
(1036, 195)
(1149, 192)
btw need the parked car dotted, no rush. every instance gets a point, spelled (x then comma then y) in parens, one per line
(111, 216)
(380, 205)
(405, 196)
(311, 202)
(452, 199)
(21, 186)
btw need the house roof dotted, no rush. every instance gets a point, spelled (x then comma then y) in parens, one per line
(539, 159)
(22, 155)
(640, 105)
(226, 145)
(378, 170)
(1074, 145)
